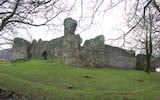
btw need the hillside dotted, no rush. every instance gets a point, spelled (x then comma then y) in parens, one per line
(50, 80)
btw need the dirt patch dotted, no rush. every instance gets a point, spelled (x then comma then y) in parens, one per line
(86, 76)
(9, 95)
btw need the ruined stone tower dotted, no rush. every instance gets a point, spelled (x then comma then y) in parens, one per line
(94, 52)
(71, 43)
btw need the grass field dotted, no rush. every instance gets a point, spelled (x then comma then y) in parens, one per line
(51, 80)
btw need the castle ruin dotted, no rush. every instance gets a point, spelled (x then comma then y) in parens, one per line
(94, 52)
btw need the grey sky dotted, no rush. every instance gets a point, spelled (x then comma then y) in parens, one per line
(106, 25)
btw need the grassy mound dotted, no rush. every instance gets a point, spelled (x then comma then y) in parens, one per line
(52, 80)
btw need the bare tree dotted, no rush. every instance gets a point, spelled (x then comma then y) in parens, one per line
(144, 27)
(15, 12)
(143, 21)
(20, 14)
(148, 43)
(150, 30)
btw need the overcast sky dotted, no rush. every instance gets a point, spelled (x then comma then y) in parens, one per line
(106, 25)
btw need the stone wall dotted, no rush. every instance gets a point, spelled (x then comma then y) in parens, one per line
(52, 49)
(117, 57)
(94, 53)
(140, 61)
(20, 49)
(71, 50)
(156, 62)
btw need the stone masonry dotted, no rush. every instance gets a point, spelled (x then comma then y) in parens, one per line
(117, 57)
(94, 52)
(20, 49)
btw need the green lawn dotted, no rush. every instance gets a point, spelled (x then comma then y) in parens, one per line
(52, 80)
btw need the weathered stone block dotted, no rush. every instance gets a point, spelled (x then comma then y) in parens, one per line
(20, 49)
(71, 50)
(69, 26)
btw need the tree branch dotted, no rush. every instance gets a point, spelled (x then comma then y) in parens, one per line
(4, 21)
(156, 6)
(3, 2)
